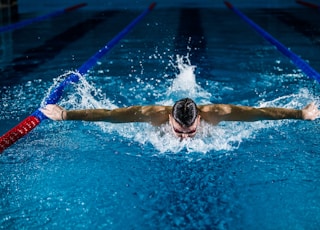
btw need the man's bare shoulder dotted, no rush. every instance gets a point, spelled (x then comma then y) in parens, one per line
(214, 108)
(158, 114)
(213, 113)
(151, 109)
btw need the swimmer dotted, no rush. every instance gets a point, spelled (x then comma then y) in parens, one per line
(184, 116)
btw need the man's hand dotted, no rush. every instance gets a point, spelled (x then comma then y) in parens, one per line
(54, 112)
(310, 112)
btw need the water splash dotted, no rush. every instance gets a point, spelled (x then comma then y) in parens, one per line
(184, 84)
(226, 136)
(81, 95)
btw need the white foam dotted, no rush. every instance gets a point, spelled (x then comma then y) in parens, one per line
(82, 95)
(224, 137)
(184, 84)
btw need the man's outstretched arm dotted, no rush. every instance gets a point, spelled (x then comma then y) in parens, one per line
(156, 115)
(223, 112)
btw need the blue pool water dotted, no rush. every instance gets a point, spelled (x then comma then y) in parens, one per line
(82, 175)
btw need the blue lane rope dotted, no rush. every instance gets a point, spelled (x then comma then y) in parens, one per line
(55, 95)
(26, 22)
(35, 118)
(301, 64)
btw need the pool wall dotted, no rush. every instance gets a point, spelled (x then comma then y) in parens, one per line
(32, 6)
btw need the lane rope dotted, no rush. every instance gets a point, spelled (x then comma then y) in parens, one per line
(26, 22)
(308, 4)
(300, 63)
(35, 118)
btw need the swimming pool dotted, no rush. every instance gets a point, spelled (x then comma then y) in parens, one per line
(77, 175)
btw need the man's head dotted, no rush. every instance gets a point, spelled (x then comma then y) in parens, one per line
(184, 118)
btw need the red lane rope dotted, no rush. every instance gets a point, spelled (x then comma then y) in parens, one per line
(18, 131)
(308, 4)
(71, 8)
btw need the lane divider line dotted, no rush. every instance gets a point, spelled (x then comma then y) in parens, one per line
(297, 61)
(27, 22)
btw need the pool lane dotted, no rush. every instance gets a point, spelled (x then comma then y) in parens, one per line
(308, 28)
(303, 22)
(34, 57)
(191, 35)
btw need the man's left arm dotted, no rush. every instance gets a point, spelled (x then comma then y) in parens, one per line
(225, 112)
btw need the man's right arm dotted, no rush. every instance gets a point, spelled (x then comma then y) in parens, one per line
(156, 115)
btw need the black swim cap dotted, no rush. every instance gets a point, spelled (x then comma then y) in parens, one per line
(185, 112)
